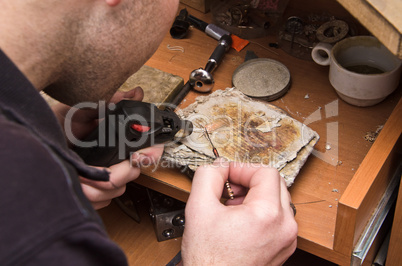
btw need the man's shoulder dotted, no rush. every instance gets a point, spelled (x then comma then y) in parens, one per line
(39, 205)
(16, 139)
(23, 155)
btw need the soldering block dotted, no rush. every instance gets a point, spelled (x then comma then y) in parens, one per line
(243, 130)
(159, 86)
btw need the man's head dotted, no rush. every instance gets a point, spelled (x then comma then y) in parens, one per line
(82, 50)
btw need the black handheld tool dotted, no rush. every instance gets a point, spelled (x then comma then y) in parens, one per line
(182, 22)
(201, 79)
(180, 25)
(130, 126)
(210, 29)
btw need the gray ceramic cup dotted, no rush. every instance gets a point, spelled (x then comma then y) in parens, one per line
(362, 71)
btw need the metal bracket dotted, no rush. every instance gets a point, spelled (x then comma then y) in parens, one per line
(377, 219)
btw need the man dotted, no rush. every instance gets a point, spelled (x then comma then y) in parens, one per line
(83, 50)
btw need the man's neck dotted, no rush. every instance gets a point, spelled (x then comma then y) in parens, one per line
(25, 39)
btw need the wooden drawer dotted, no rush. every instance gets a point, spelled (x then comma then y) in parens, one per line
(337, 190)
(200, 5)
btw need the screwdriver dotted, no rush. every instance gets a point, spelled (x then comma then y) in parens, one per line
(215, 151)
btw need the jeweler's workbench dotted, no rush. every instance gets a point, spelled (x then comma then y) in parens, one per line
(336, 190)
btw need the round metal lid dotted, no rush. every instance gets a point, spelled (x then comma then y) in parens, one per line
(262, 78)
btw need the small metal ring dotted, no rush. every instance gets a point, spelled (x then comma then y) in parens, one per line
(293, 208)
(339, 26)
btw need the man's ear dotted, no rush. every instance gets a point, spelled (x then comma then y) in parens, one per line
(113, 2)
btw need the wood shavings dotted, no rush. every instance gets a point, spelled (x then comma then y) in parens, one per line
(176, 48)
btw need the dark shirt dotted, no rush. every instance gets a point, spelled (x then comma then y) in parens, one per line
(45, 219)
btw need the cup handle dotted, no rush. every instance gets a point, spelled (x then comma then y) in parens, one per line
(321, 53)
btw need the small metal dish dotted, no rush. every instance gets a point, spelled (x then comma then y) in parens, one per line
(262, 78)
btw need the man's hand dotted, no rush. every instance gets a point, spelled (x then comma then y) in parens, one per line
(101, 193)
(83, 122)
(256, 228)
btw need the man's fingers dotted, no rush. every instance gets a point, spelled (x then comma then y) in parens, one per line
(238, 191)
(264, 183)
(136, 94)
(284, 254)
(209, 180)
(122, 173)
(285, 197)
(127, 170)
(150, 155)
(261, 183)
(100, 205)
(235, 201)
(99, 196)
